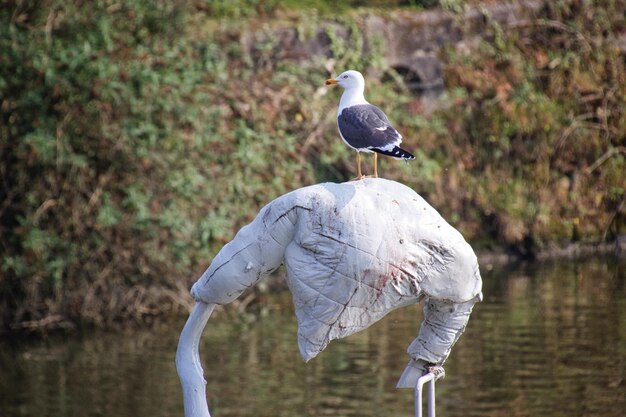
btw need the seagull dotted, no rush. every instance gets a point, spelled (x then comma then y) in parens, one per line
(362, 126)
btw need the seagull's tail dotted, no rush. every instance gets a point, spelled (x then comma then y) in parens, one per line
(396, 152)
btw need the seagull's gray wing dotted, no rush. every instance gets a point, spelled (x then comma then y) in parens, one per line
(365, 126)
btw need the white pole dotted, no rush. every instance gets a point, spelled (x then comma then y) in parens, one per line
(429, 377)
(431, 398)
(188, 362)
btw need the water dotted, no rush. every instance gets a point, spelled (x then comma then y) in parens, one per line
(548, 340)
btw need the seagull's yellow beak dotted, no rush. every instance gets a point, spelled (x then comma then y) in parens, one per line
(331, 81)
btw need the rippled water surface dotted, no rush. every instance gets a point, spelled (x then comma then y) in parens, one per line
(548, 340)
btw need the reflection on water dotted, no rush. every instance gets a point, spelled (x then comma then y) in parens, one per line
(548, 340)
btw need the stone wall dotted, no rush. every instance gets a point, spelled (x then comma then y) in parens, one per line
(411, 40)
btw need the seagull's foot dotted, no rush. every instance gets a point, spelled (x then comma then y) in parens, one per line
(362, 177)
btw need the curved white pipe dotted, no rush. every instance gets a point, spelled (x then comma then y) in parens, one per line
(188, 361)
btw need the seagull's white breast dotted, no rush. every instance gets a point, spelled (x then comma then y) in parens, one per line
(349, 98)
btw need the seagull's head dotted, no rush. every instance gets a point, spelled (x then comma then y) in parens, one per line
(348, 80)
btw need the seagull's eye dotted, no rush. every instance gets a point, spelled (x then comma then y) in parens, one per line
(345, 76)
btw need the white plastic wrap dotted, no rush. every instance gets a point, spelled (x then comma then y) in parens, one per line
(354, 252)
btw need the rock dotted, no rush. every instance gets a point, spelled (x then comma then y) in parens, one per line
(348, 265)
(353, 252)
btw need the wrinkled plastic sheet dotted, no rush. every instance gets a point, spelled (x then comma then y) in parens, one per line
(354, 252)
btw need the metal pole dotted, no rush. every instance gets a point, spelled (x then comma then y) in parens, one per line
(431, 397)
(429, 377)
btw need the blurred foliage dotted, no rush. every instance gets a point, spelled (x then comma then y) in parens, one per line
(137, 137)
(542, 109)
(273, 8)
(117, 136)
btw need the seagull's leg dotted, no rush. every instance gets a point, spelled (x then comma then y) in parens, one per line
(359, 176)
(375, 159)
(375, 165)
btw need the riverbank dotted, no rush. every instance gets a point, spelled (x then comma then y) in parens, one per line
(571, 251)
(137, 139)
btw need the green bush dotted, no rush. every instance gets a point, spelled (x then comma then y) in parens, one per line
(111, 153)
(137, 137)
(539, 129)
